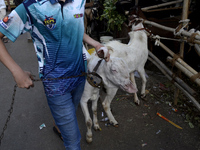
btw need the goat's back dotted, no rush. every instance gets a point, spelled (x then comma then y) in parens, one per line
(135, 53)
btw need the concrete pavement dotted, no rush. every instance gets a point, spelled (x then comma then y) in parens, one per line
(135, 130)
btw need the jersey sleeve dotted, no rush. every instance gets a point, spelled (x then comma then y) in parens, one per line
(16, 23)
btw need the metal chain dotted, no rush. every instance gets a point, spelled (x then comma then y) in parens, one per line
(48, 79)
(13, 98)
(10, 112)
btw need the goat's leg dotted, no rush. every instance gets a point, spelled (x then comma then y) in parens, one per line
(136, 100)
(87, 94)
(106, 105)
(144, 81)
(88, 121)
(94, 109)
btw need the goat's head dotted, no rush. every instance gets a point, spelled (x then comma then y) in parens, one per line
(135, 22)
(117, 72)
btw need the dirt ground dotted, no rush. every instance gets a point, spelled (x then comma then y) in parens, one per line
(139, 126)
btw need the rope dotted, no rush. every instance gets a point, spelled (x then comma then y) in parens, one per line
(173, 78)
(192, 38)
(175, 57)
(194, 77)
(180, 28)
(157, 37)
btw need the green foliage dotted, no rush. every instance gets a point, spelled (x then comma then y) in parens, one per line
(112, 16)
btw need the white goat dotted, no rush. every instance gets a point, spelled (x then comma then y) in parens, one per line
(135, 53)
(115, 75)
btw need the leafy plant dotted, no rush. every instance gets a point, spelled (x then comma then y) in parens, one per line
(112, 16)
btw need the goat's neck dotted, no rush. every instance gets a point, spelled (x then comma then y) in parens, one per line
(137, 27)
(136, 36)
(139, 36)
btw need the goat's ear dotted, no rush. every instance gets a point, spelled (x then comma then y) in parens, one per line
(109, 48)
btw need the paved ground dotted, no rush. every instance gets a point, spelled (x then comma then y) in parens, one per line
(139, 127)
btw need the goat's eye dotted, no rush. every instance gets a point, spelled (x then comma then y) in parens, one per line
(114, 71)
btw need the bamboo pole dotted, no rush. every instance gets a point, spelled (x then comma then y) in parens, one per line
(197, 47)
(184, 33)
(164, 9)
(136, 2)
(177, 79)
(160, 5)
(176, 84)
(184, 70)
(184, 16)
(179, 59)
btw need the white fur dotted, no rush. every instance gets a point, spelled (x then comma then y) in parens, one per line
(133, 57)
(135, 53)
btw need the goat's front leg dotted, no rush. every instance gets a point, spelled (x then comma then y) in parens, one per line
(88, 91)
(144, 81)
(88, 121)
(136, 100)
(106, 105)
(94, 109)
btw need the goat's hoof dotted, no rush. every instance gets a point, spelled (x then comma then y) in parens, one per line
(143, 96)
(116, 125)
(137, 102)
(89, 139)
(97, 129)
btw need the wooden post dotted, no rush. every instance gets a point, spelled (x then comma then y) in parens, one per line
(184, 16)
(183, 69)
(136, 2)
(183, 33)
(195, 102)
(161, 5)
(164, 9)
(179, 59)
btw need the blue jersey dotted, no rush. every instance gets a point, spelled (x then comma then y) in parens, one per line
(57, 33)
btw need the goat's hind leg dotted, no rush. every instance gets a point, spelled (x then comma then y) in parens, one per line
(111, 92)
(144, 81)
(136, 100)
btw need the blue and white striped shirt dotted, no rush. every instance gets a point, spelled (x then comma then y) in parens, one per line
(57, 33)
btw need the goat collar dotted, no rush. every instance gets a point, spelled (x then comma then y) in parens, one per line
(97, 65)
(139, 29)
(93, 78)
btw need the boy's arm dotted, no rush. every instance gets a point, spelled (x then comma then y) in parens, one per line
(21, 77)
(9, 8)
(97, 46)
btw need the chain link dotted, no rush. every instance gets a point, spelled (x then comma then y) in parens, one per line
(10, 112)
(13, 98)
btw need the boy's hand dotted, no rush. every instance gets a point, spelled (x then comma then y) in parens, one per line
(100, 52)
(23, 79)
(9, 9)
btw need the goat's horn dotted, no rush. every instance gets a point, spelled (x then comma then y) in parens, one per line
(126, 12)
